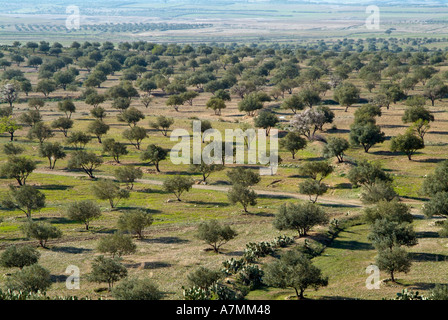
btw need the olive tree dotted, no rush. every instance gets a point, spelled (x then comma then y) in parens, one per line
(162, 124)
(9, 125)
(346, 94)
(300, 217)
(293, 142)
(86, 161)
(18, 168)
(116, 244)
(53, 152)
(107, 270)
(106, 189)
(296, 271)
(128, 175)
(394, 260)
(41, 231)
(115, 149)
(177, 185)
(136, 289)
(25, 198)
(135, 221)
(83, 211)
(335, 147)
(30, 279)
(19, 257)
(407, 143)
(135, 135)
(98, 128)
(215, 234)
(154, 154)
(240, 193)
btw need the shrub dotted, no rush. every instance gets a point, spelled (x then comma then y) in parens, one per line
(128, 175)
(296, 271)
(242, 194)
(19, 257)
(440, 292)
(136, 289)
(379, 191)
(116, 244)
(30, 279)
(178, 185)
(25, 199)
(260, 249)
(84, 211)
(107, 270)
(42, 231)
(109, 190)
(203, 277)
(18, 168)
(251, 276)
(394, 260)
(215, 234)
(300, 217)
(282, 242)
(232, 266)
(392, 211)
(135, 221)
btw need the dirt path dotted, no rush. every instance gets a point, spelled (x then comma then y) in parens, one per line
(273, 194)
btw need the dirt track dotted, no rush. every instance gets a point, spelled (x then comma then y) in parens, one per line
(325, 200)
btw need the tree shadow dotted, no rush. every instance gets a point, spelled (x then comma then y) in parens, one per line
(235, 254)
(315, 159)
(414, 198)
(55, 220)
(427, 234)
(264, 214)
(351, 245)
(59, 187)
(166, 240)
(150, 191)
(71, 250)
(106, 231)
(338, 205)
(208, 203)
(330, 102)
(343, 186)
(58, 278)
(439, 132)
(183, 173)
(274, 196)
(386, 153)
(148, 265)
(146, 210)
(391, 126)
(298, 176)
(220, 182)
(425, 285)
(338, 131)
(430, 160)
(423, 256)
